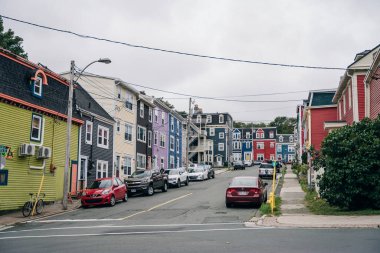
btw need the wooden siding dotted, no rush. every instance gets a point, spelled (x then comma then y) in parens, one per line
(374, 103)
(16, 123)
(318, 117)
(361, 96)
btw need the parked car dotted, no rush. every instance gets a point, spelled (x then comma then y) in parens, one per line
(177, 177)
(146, 182)
(239, 165)
(197, 173)
(266, 170)
(278, 165)
(257, 162)
(246, 190)
(210, 170)
(104, 191)
(248, 163)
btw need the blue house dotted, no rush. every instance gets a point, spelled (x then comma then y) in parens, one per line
(242, 144)
(175, 139)
(285, 147)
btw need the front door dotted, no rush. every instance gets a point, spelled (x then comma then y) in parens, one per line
(219, 161)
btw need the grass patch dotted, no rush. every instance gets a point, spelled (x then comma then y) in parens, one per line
(266, 209)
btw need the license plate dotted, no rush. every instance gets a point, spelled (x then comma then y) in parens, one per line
(243, 193)
(133, 190)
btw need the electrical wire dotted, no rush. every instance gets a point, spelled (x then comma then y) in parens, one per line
(172, 51)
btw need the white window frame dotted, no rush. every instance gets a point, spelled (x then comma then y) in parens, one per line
(291, 139)
(221, 118)
(163, 115)
(162, 163)
(199, 118)
(281, 139)
(103, 170)
(260, 145)
(127, 165)
(156, 115)
(248, 135)
(272, 156)
(118, 92)
(104, 137)
(291, 149)
(271, 134)
(177, 163)
(212, 131)
(177, 145)
(171, 143)
(150, 114)
(172, 124)
(260, 157)
(155, 138)
(248, 144)
(271, 145)
(149, 139)
(171, 162)
(89, 133)
(143, 161)
(129, 101)
(208, 119)
(279, 148)
(143, 134)
(129, 132)
(221, 135)
(118, 127)
(162, 140)
(37, 83)
(141, 109)
(220, 146)
(39, 128)
(177, 127)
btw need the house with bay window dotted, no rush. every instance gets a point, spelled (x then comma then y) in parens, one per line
(33, 119)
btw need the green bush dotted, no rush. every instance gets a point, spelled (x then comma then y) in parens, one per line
(299, 169)
(352, 166)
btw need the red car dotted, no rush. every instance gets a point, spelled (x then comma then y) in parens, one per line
(246, 190)
(104, 191)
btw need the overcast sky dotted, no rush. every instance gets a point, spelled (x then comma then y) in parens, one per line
(317, 33)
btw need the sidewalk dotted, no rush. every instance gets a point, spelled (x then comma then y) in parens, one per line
(13, 217)
(295, 213)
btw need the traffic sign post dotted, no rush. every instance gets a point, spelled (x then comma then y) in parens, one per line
(272, 194)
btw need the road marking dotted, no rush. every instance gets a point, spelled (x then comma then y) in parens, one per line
(121, 226)
(4, 228)
(135, 233)
(157, 206)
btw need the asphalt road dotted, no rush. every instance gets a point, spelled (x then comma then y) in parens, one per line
(189, 219)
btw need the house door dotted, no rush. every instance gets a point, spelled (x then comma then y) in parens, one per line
(218, 161)
(247, 157)
(82, 173)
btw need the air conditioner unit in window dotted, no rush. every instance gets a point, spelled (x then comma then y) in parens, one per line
(44, 152)
(26, 149)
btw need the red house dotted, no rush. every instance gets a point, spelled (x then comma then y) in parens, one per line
(264, 143)
(372, 88)
(351, 93)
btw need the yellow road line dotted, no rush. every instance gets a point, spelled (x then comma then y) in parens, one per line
(157, 206)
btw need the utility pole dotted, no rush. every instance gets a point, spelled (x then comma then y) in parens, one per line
(188, 135)
(68, 137)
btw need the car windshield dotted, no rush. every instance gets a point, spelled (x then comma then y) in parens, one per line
(141, 174)
(101, 184)
(266, 166)
(238, 162)
(172, 172)
(192, 170)
(244, 181)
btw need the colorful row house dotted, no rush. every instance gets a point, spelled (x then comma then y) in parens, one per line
(285, 148)
(242, 145)
(264, 143)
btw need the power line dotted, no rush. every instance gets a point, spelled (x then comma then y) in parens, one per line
(172, 51)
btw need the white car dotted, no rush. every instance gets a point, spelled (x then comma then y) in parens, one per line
(198, 173)
(248, 163)
(177, 177)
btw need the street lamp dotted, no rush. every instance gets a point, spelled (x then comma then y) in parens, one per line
(69, 119)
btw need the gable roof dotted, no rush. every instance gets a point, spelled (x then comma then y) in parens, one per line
(321, 97)
(375, 65)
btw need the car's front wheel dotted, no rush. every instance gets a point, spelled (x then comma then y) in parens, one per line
(125, 199)
(178, 183)
(165, 187)
(187, 181)
(150, 190)
(112, 201)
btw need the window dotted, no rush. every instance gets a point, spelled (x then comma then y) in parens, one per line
(260, 157)
(291, 149)
(118, 127)
(212, 131)
(172, 162)
(156, 116)
(199, 118)
(271, 134)
(271, 145)
(150, 115)
(88, 132)
(281, 139)
(260, 145)
(172, 124)
(36, 129)
(162, 140)
(291, 139)
(101, 169)
(128, 132)
(171, 143)
(119, 91)
(208, 119)
(37, 87)
(155, 138)
(260, 135)
(221, 146)
(141, 161)
(149, 139)
(248, 144)
(221, 135)
(248, 135)
(349, 96)
(290, 157)
(129, 101)
(177, 127)
(177, 162)
(235, 136)
(279, 157)
(141, 110)
(162, 163)
(163, 118)
(221, 118)
(127, 165)
(271, 157)
(141, 134)
(3, 177)
(177, 145)
(279, 148)
(103, 136)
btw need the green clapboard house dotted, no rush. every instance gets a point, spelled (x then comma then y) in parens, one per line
(33, 113)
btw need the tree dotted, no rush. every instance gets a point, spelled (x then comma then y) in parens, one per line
(238, 124)
(352, 166)
(284, 124)
(9, 41)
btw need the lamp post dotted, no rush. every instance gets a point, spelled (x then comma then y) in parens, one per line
(69, 120)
